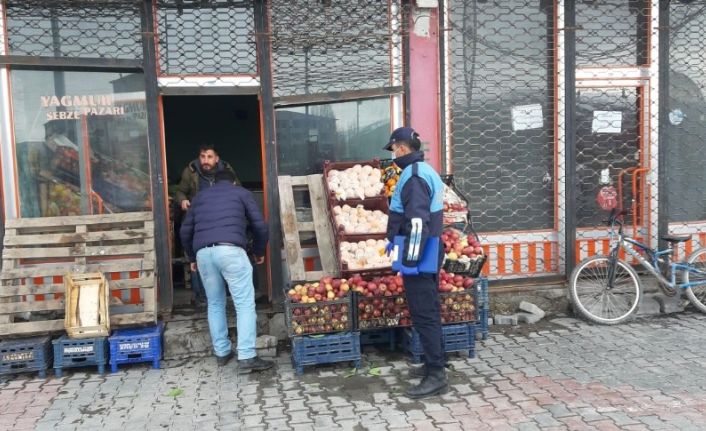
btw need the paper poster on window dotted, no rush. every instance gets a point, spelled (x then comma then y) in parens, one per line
(607, 122)
(527, 117)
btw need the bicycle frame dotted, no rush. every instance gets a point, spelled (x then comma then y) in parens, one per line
(656, 257)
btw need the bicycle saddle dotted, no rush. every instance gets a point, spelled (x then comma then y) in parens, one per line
(676, 238)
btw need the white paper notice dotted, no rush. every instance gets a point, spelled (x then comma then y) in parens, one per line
(527, 117)
(607, 122)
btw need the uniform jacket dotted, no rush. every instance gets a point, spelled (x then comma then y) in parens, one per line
(193, 179)
(416, 209)
(223, 213)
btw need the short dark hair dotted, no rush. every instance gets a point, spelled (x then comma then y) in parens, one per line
(224, 175)
(206, 146)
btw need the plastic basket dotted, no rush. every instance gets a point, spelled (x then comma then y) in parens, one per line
(325, 349)
(393, 312)
(471, 268)
(456, 338)
(481, 286)
(318, 317)
(129, 346)
(69, 352)
(25, 355)
(483, 315)
(364, 272)
(458, 307)
(380, 336)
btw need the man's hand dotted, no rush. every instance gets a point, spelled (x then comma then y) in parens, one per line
(259, 260)
(193, 267)
(185, 204)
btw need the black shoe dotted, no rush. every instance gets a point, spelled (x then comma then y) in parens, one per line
(433, 384)
(253, 364)
(418, 372)
(222, 360)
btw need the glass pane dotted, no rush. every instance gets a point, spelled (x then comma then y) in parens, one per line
(308, 135)
(207, 40)
(59, 29)
(81, 142)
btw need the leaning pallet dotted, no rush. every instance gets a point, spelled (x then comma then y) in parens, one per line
(39, 252)
(300, 222)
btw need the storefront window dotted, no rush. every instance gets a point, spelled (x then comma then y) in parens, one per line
(81, 142)
(308, 135)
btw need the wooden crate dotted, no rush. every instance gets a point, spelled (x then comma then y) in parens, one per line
(77, 286)
(294, 226)
(39, 252)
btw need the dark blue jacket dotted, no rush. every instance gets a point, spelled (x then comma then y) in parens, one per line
(416, 199)
(223, 213)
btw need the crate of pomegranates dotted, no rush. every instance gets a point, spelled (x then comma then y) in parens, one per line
(319, 308)
(379, 303)
(457, 297)
(463, 253)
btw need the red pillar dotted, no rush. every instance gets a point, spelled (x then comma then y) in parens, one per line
(424, 84)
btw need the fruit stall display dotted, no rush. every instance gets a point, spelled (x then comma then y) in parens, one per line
(319, 308)
(463, 252)
(353, 180)
(365, 256)
(457, 297)
(379, 302)
(456, 209)
(359, 218)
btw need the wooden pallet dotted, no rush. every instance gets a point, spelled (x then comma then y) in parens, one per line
(295, 226)
(38, 252)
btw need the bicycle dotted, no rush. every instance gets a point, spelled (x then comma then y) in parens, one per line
(608, 290)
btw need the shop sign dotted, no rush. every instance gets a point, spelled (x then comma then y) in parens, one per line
(526, 117)
(74, 107)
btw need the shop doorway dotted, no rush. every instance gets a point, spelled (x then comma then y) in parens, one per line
(232, 124)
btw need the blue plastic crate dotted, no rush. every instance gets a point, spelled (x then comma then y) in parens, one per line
(325, 349)
(483, 323)
(71, 352)
(25, 355)
(482, 298)
(129, 346)
(457, 338)
(381, 336)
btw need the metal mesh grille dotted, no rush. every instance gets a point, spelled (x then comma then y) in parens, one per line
(335, 45)
(501, 98)
(686, 126)
(610, 32)
(204, 38)
(74, 28)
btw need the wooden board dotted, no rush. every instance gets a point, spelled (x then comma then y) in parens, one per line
(39, 252)
(293, 226)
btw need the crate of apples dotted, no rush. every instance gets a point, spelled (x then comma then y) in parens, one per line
(319, 308)
(457, 298)
(463, 253)
(380, 302)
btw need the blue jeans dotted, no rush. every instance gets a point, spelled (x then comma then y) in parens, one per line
(232, 264)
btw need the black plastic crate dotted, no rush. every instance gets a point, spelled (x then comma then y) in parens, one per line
(319, 317)
(325, 349)
(25, 355)
(380, 312)
(70, 352)
(458, 307)
(471, 268)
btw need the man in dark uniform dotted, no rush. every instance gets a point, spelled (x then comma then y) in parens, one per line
(416, 213)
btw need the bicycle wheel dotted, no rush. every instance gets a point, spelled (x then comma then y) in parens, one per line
(696, 294)
(593, 300)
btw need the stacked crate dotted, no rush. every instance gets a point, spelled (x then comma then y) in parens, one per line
(25, 355)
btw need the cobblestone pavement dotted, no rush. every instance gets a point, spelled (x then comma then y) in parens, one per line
(564, 374)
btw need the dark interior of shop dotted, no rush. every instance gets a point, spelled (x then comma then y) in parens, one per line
(232, 124)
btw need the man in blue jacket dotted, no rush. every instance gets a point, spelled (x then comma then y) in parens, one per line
(214, 233)
(416, 213)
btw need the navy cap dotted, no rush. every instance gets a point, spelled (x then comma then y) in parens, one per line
(406, 135)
